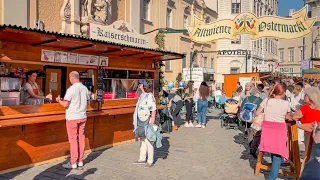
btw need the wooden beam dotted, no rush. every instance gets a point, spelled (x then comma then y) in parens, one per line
(81, 47)
(45, 42)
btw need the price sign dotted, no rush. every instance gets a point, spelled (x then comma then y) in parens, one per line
(100, 85)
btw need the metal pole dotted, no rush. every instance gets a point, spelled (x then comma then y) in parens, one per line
(246, 61)
(191, 56)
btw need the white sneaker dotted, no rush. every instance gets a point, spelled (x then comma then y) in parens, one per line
(203, 126)
(186, 125)
(80, 164)
(70, 166)
(198, 126)
(191, 124)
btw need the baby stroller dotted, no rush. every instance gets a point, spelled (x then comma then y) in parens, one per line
(230, 117)
(216, 99)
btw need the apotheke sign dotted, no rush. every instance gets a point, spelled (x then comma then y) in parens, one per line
(119, 32)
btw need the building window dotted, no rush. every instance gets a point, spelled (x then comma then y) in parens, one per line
(167, 66)
(236, 6)
(146, 9)
(234, 70)
(266, 45)
(281, 53)
(238, 41)
(205, 61)
(291, 54)
(169, 17)
(301, 54)
(185, 21)
(212, 62)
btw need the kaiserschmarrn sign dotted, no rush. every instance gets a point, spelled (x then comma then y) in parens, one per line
(118, 32)
(247, 23)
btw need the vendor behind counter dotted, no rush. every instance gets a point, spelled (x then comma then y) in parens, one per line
(31, 93)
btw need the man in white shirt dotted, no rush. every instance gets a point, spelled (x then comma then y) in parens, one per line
(75, 101)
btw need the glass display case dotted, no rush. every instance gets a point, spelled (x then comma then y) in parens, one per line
(118, 84)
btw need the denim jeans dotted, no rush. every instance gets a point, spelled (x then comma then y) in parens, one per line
(276, 163)
(202, 111)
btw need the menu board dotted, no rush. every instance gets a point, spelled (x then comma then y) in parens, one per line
(47, 55)
(72, 58)
(88, 60)
(104, 61)
(61, 57)
(100, 74)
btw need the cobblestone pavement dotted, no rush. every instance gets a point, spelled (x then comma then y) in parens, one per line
(189, 153)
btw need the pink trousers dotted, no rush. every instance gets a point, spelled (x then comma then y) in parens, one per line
(75, 130)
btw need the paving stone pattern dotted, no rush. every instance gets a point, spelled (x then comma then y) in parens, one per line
(189, 153)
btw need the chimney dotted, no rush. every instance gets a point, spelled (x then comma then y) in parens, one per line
(291, 11)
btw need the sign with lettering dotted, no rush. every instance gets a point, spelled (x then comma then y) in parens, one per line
(100, 75)
(118, 32)
(305, 64)
(247, 23)
(239, 52)
(197, 74)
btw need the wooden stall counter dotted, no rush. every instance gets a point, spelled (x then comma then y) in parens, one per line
(30, 134)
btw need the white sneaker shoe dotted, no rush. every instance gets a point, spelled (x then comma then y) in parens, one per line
(186, 125)
(80, 164)
(198, 126)
(203, 126)
(191, 124)
(70, 166)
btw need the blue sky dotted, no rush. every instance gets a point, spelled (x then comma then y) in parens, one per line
(285, 5)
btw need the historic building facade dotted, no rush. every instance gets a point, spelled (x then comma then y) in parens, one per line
(262, 51)
(292, 52)
(178, 14)
(74, 16)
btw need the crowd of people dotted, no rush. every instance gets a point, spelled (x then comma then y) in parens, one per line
(275, 103)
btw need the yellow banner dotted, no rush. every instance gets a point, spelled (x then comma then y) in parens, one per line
(247, 23)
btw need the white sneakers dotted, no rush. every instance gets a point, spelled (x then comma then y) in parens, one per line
(80, 164)
(200, 126)
(191, 124)
(188, 124)
(72, 166)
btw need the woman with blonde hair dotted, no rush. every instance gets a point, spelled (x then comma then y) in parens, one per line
(247, 91)
(309, 113)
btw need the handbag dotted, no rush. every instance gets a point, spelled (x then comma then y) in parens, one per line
(257, 122)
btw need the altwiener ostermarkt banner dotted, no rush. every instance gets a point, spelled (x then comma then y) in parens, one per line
(247, 23)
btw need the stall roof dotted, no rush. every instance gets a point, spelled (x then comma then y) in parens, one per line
(70, 42)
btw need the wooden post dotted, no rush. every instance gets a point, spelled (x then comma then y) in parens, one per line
(294, 157)
(307, 152)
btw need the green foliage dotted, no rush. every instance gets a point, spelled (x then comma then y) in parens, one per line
(159, 40)
(179, 77)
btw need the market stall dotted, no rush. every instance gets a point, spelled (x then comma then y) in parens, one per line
(30, 134)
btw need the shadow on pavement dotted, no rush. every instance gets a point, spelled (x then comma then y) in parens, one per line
(58, 172)
(162, 152)
(245, 155)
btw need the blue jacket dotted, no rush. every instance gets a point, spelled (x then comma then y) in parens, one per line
(153, 136)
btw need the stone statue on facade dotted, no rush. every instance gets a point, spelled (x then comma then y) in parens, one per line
(100, 8)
